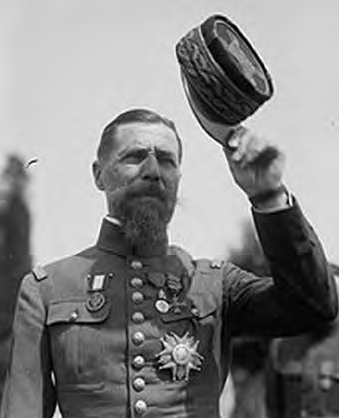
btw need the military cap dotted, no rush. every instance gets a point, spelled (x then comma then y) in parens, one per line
(224, 78)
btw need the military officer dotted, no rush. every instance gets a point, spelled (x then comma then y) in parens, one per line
(133, 327)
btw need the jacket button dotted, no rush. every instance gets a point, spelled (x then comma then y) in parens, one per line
(137, 297)
(138, 362)
(138, 317)
(140, 407)
(136, 264)
(136, 282)
(139, 384)
(138, 338)
(195, 312)
(74, 316)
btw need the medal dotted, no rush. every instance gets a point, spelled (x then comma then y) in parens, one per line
(95, 302)
(162, 306)
(173, 284)
(177, 306)
(180, 355)
(168, 298)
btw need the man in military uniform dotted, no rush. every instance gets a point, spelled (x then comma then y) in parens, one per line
(133, 327)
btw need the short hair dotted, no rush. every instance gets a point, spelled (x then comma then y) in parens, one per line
(131, 116)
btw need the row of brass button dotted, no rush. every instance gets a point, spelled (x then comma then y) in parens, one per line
(138, 338)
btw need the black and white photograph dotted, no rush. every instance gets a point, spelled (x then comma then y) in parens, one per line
(169, 209)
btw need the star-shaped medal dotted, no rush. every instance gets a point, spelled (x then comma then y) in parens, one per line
(180, 355)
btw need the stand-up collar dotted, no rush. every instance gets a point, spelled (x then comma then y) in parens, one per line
(112, 239)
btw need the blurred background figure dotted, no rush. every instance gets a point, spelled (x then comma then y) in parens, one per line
(295, 377)
(303, 373)
(249, 354)
(15, 254)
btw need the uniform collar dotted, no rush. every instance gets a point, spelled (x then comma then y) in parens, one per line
(112, 239)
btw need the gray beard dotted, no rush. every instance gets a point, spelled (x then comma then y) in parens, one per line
(145, 223)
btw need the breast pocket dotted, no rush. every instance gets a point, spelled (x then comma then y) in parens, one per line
(77, 342)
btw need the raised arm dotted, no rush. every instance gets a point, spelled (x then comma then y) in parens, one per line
(301, 293)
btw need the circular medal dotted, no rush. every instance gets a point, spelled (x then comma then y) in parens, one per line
(95, 302)
(162, 306)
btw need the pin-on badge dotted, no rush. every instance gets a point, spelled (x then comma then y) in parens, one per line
(180, 355)
(162, 306)
(95, 302)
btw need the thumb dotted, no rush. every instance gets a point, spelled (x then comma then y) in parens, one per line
(232, 141)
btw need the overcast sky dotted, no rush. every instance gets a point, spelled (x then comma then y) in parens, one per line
(69, 66)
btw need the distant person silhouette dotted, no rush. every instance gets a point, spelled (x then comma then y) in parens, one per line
(15, 256)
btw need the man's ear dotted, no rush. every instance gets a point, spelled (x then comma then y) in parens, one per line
(96, 169)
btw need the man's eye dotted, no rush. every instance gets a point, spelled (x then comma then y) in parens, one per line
(167, 160)
(134, 157)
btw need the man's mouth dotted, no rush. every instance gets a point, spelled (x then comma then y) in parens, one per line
(148, 192)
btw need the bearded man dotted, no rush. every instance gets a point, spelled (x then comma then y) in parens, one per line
(133, 327)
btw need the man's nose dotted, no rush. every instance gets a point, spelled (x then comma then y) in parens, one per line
(150, 168)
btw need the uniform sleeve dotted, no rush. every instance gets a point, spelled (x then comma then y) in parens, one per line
(301, 293)
(29, 391)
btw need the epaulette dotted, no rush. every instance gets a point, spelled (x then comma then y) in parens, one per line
(39, 273)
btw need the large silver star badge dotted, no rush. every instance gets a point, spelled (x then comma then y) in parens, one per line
(180, 355)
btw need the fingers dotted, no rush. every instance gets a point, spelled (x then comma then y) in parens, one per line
(246, 148)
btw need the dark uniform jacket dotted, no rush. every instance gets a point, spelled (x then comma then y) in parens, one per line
(109, 334)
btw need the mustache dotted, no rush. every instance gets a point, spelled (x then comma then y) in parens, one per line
(147, 190)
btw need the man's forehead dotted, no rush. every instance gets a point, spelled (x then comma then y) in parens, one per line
(141, 134)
